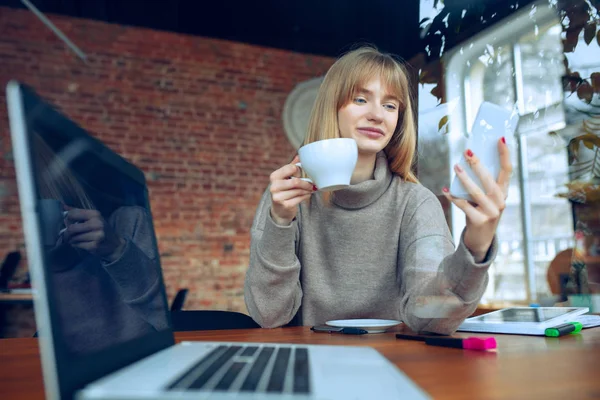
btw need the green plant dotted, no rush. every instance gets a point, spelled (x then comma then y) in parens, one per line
(457, 21)
(579, 16)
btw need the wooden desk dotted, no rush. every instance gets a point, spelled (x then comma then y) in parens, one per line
(521, 368)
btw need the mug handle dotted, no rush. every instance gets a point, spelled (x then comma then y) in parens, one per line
(299, 165)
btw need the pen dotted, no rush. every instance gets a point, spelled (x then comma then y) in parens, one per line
(420, 338)
(470, 343)
(353, 331)
(564, 329)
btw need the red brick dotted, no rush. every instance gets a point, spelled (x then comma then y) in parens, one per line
(170, 103)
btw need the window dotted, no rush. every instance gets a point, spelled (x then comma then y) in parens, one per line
(518, 63)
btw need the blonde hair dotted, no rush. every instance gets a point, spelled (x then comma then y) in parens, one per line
(55, 180)
(342, 82)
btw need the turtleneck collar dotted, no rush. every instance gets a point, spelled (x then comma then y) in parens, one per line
(367, 192)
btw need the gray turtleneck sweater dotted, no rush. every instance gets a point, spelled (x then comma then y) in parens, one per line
(382, 249)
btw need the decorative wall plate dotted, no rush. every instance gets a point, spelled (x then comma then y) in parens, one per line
(297, 108)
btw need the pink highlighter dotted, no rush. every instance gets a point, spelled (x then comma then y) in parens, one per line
(470, 343)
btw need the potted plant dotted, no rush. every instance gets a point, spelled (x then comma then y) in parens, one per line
(580, 19)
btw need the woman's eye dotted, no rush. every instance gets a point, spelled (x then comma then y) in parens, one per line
(391, 107)
(360, 100)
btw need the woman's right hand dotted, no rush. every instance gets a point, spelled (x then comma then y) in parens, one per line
(287, 192)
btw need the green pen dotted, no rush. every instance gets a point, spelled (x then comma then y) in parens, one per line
(564, 329)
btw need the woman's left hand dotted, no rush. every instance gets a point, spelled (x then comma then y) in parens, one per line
(484, 216)
(87, 230)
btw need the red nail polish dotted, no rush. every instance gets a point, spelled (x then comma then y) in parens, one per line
(503, 140)
(469, 153)
(458, 168)
(445, 190)
(315, 188)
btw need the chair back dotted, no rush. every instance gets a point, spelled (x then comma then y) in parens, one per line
(179, 300)
(559, 272)
(203, 320)
(9, 266)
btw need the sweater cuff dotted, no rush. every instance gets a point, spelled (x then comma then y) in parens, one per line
(132, 272)
(468, 279)
(277, 244)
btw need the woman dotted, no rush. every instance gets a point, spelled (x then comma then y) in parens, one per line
(380, 248)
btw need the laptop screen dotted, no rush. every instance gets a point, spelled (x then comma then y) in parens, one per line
(97, 253)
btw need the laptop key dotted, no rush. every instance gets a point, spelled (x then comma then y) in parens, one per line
(249, 351)
(257, 369)
(214, 367)
(196, 366)
(230, 376)
(279, 369)
(301, 373)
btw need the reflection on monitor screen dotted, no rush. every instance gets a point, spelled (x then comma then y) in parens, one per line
(100, 252)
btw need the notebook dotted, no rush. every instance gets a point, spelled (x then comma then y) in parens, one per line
(522, 320)
(100, 302)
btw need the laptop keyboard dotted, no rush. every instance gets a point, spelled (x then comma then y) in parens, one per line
(240, 368)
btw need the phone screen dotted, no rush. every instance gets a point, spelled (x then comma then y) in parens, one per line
(491, 123)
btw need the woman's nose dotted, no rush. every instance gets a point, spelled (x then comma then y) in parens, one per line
(375, 113)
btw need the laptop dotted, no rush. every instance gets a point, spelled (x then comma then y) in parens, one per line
(100, 303)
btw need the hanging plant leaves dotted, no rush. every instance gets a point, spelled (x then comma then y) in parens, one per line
(589, 144)
(438, 92)
(595, 79)
(428, 77)
(589, 140)
(598, 38)
(582, 192)
(573, 151)
(571, 81)
(589, 32)
(443, 122)
(571, 39)
(585, 92)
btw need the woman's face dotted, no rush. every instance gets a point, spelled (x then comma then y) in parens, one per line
(370, 117)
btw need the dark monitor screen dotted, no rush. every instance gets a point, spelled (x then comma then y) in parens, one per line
(99, 257)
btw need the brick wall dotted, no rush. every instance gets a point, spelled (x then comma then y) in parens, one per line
(201, 118)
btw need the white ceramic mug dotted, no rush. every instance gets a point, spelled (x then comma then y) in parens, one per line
(329, 163)
(51, 220)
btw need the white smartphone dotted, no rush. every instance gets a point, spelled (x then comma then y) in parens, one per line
(491, 123)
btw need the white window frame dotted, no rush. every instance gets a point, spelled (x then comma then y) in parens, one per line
(458, 96)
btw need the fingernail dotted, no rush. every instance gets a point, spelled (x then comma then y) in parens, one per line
(458, 168)
(445, 190)
(315, 188)
(503, 140)
(469, 153)
(62, 231)
(65, 213)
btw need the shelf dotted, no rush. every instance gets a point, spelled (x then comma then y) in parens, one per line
(16, 296)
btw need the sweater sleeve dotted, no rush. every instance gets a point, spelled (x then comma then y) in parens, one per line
(136, 272)
(440, 285)
(272, 289)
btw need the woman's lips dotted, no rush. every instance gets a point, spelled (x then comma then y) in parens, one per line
(371, 132)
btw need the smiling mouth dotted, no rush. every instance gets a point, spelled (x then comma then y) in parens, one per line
(371, 132)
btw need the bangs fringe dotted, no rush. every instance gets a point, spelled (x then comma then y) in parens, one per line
(368, 67)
